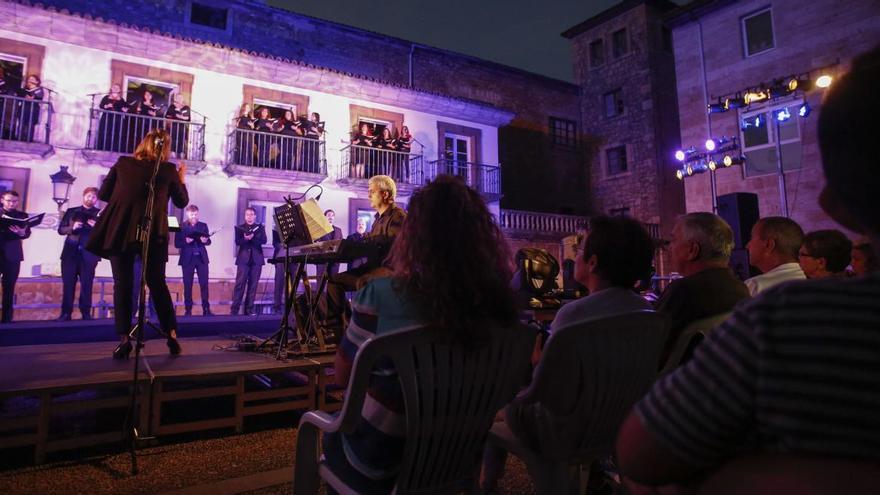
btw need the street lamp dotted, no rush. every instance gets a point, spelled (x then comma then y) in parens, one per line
(61, 182)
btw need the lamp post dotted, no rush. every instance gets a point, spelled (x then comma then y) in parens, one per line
(61, 182)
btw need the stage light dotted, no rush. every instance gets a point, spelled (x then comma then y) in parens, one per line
(679, 174)
(716, 107)
(793, 84)
(753, 96)
(712, 165)
(804, 110)
(710, 145)
(824, 81)
(690, 170)
(727, 161)
(756, 121)
(679, 155)
(783, 114)
(735, 102)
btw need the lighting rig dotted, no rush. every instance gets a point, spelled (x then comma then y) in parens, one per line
(717, 153)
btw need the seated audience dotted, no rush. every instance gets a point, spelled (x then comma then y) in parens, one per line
(825, 253)
(700, 250)
(460, 284)
(614, 255)
(773, 249)
(864, 261)
(793, 373)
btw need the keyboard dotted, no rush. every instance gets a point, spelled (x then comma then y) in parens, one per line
(335, 251)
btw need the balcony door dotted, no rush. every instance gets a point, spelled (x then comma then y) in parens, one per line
(456, 155)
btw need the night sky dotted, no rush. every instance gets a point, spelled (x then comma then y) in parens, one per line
(519, 33)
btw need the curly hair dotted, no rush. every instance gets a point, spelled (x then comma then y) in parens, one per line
(452, 260)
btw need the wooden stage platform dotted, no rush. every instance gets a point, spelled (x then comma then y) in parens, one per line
(64, 396)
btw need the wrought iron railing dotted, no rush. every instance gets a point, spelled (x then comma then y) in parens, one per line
(363, 162)
(485, 179)
(22, 119)
(120, 132)
(269, 150)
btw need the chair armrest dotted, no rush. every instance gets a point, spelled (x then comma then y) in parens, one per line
(321, 420)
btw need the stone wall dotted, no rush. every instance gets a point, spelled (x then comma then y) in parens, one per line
(808, 35)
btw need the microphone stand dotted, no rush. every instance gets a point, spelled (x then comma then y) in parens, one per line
(143, 236)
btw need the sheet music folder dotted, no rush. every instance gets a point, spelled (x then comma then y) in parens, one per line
(7, 221)
(302, 223)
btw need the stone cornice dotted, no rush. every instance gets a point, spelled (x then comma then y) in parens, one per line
(127, 40)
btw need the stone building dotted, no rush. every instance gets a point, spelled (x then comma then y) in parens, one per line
(725, 49)
(624, 66)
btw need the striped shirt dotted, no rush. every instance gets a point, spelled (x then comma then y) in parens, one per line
(795, 370)
(375, 449)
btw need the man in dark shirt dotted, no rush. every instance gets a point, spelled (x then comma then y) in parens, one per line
(11, 254)
(389, 220)
(191, 241)
(700, 251)
(332, 268)
(249, 237)
(76, 261)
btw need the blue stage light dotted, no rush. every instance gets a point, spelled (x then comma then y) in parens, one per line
(804, 110)
(679, 155)
(783, 114)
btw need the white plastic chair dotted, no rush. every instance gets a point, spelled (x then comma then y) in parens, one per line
(688, 340)
(451, 394)
(589, 377)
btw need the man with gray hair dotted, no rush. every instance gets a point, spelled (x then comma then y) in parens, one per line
(773, 249)
(700, 251)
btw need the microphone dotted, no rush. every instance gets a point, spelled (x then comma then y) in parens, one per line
(158, 141)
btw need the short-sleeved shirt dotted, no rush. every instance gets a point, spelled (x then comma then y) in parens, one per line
(608, 302)
(795, 370)
(376, 447)
(782, 273)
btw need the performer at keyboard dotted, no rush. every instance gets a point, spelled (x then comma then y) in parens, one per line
(191, 241)
(11, 254)
(331, 268)
(76, 261)
(249, 237)
(278, 246)
(115, 236)
(388, 222)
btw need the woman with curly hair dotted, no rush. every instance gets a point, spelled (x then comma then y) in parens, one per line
(451, 269)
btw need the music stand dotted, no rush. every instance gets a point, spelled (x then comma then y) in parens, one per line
(292, 228)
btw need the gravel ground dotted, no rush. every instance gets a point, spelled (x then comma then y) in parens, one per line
(185, 464)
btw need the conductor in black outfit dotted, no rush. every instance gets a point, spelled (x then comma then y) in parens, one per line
(249, 237)
(11, 254)
(115, 235)
(191, 241)
(76, 261)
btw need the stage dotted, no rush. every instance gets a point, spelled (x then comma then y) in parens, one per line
(72, 394)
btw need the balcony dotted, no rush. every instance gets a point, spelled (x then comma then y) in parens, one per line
(536, 225)
(485, 179)
(114, 133)
(25, 125)
(359, 163)
(275, 156)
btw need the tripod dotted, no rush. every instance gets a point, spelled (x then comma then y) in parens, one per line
(143, 236)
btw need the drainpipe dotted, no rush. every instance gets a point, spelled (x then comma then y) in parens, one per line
(412, 50)
(712, 183)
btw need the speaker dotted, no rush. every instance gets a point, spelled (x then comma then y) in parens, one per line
(740, 211)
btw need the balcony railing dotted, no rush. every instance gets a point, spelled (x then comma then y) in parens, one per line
(485, 179)
(120, 132)
(363, 162)
(271, 151)
(542, 222)
(22, 119)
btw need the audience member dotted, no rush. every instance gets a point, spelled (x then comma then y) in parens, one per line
(460, 285)
(864, 261)
(773, 249)
(614, 255)
(790, 374)
(700, 250)
(825, 253)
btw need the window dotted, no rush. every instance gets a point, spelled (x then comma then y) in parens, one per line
(616, 158)
(14, 68)
(597, 53)
(619, 43)
(563, 132)
(208, 16)
(613, 103)
(759, 141)
(376, 126)
(135, 87)
(276, 110)
(758, 33)
(457, 155)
